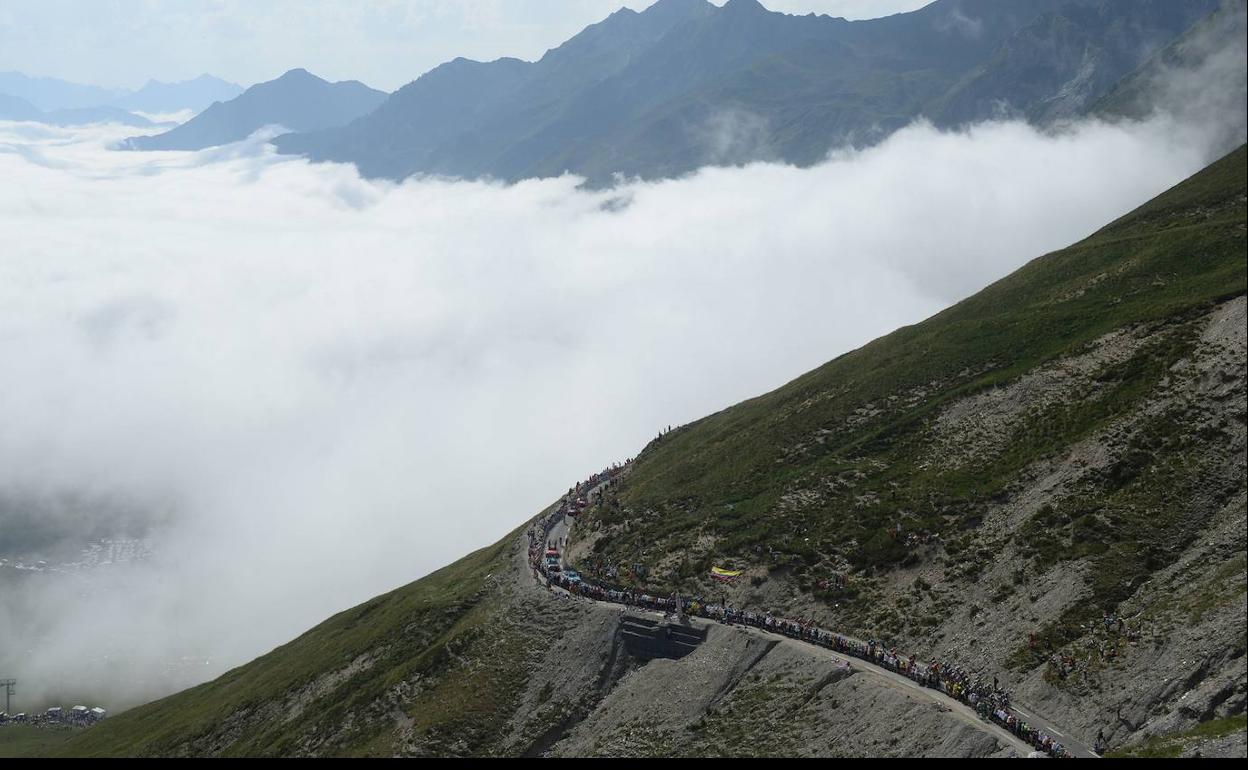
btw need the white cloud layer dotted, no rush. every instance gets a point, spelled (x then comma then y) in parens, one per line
(333, 386)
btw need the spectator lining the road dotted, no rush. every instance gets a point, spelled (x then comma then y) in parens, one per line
(988, 700)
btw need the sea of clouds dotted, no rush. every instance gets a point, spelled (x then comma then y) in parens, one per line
(321, 388)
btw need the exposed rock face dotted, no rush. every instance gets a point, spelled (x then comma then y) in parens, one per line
(745, 695)
(1181, 661)
(741, 692)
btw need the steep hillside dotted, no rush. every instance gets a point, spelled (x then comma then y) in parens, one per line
(686, 84)
(1065, 446)
(981, 487)
(298, 101)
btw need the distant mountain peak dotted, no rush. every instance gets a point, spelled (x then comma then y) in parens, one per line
(157, 96)
(677, 8)
(298, 101)
(201, 79)
(298, 73)
(744, 7)
(668, 6)
(663, 10)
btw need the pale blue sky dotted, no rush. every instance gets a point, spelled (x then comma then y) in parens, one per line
(385, 43)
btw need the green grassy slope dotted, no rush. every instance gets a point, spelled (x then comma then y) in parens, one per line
(863, 413)
(23, 741)
(401, 634)
(340, 688)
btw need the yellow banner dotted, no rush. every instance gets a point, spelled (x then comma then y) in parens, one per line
(720, 572)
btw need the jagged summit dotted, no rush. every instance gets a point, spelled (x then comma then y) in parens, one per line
(639, 94)
(299, 74)
(678, 8)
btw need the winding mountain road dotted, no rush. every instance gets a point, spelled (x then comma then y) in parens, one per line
(562, 530)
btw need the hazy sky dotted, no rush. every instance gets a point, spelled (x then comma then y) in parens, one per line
(385, 43)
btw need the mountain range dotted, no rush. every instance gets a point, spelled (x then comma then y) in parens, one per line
(686, 83)
(52, 94)
(15, 108)
(297, 101)
(60, 102)
(193, 95)
(48, 94)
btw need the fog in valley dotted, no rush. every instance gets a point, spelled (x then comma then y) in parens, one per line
(276, 389)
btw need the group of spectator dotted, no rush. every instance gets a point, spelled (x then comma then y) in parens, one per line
(988, 699)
